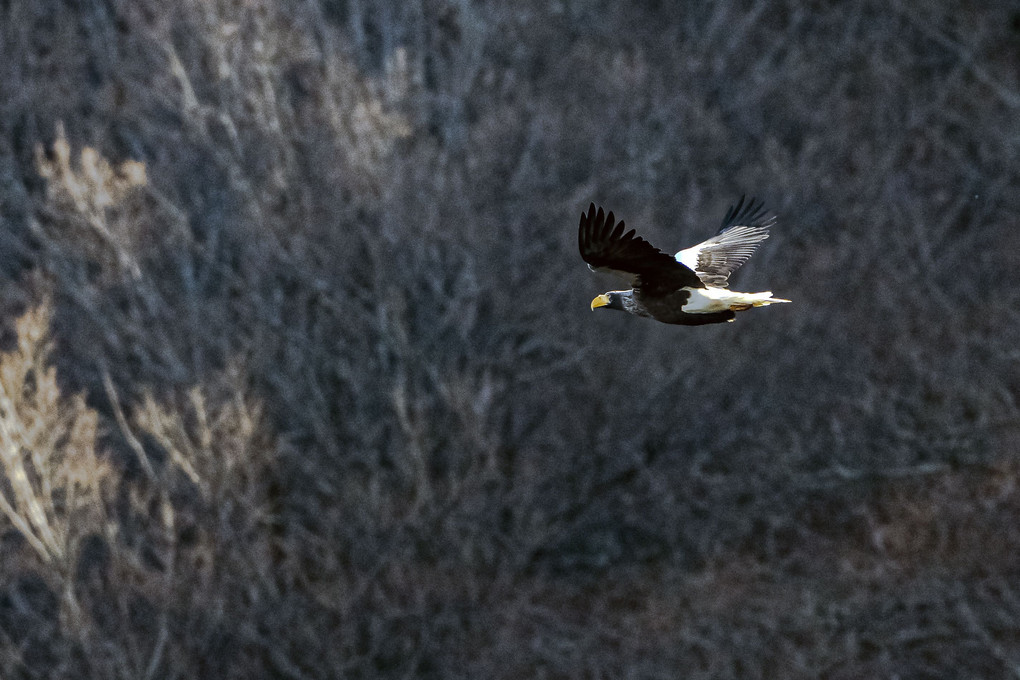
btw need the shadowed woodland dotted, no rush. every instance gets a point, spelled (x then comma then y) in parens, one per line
(299, 377)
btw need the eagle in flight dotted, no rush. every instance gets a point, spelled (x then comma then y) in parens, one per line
(689, 288)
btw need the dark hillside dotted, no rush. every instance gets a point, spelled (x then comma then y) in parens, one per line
(299, 377)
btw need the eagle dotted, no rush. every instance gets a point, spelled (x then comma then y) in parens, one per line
(689, 288)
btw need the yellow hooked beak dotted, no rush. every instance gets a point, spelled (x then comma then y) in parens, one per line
(600, 301)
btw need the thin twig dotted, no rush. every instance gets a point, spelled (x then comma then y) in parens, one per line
(125, 429)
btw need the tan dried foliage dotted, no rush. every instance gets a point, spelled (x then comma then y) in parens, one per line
(51, 490)
(91, 190)
(93, 184)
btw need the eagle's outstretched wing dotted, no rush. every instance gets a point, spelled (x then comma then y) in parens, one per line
(605, 246)
(743, 229)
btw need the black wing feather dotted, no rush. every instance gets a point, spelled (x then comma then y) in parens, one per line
(606, 247)
(750, 215)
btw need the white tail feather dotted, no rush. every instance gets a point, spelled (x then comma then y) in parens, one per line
(763, 299)
(710, 299)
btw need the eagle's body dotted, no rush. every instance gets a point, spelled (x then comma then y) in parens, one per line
(689, 288)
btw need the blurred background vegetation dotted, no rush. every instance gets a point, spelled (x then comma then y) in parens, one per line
(299, 378)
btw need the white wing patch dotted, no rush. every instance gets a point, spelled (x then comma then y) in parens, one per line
(689, 257)
(715, 259)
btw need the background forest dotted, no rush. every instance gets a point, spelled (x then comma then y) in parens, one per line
(299, 377)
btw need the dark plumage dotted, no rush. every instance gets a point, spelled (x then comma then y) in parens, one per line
(689, 288)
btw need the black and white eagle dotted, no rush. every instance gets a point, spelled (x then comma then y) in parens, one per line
(689, 288)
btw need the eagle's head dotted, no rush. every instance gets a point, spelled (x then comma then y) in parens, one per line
(614, 299)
